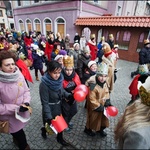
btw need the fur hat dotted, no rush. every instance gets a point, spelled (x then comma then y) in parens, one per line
(58, 56)
(91, 63)
(86, 49)
(146, 41)
(102, 69)
(144, 90)
(68, 61)
(106, 48)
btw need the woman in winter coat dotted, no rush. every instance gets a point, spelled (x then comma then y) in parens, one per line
(76, 52)
(71, 80)
(93, 47)
(49, 46)
(51, 95)
(133, 128)
(82, 63)
(38, 61)
(14, 94)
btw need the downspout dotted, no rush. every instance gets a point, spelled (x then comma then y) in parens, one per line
(135, 8)
(80, 8)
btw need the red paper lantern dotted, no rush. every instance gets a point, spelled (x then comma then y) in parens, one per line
(112, 111)
(81, 87)
(79, 96)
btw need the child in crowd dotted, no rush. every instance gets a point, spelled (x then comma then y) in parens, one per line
(97, 98)
(71, 80)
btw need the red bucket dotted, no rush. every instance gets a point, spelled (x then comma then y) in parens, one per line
(59, 123)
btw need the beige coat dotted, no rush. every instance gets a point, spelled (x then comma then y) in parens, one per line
(96, 120)
(111, 68)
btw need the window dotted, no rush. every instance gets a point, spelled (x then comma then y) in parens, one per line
(28, 25)
(126, 36)
(19, 2)
(60, 23)
(37, 25)
(1, 13)
(141, 39)
(21, 25)
(117, 36)
(47, 25)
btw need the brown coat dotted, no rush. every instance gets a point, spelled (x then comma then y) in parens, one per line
(96, 120)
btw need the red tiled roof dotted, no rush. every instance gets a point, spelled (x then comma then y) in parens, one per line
(128, 21)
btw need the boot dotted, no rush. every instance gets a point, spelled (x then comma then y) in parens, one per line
(43, 133)
(61, 140)
(101, 132)
(27, 147)
(37, 79)
(89, 132)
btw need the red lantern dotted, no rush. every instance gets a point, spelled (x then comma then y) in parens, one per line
(81, 87)
(79, 96)
(112, 111)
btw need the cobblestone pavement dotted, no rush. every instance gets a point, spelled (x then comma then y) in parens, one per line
(77, 138)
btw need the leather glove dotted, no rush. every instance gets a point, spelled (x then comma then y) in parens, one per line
(23, 109)
(107, 103)
(100, 108)
(71, 99)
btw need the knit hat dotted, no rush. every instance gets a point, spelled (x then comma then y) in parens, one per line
(144, 91)
(116, 46)
(35, 47)
(62, 52)
(86, 49)
(10, 35)
(75, 44)
(58, 56)
(91, 63)
(102, 69)
(68, 61)
(142, 69)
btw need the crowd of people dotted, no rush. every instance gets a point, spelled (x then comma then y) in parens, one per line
(86, 62)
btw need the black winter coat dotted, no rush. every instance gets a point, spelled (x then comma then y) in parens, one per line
(144, 56)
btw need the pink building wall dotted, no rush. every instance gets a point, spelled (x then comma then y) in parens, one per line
(69, 11)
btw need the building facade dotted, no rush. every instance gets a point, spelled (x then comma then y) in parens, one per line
(62, 16)
(6, 17)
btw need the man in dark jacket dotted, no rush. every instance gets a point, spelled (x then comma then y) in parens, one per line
(144, 56)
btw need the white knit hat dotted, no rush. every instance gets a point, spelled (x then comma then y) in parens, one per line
(91, 63)
(58, 56)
